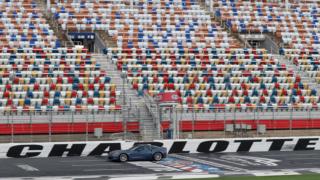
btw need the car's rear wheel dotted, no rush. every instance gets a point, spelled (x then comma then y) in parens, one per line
(157, 156)
(123, 157)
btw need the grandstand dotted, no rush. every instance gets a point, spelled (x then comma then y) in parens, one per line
(132, 51)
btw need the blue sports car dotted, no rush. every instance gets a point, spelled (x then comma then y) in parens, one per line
(139, 152)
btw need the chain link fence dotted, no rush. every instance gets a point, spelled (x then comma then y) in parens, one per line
(62, 126)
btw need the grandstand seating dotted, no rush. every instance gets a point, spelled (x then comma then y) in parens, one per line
(206, 75)
(164, 46)
(235, 78)
(177, 46)
(23, 25)
(158, 24)
(62, 79)
(296, 23)
(36, 74)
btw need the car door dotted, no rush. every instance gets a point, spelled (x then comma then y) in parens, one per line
(141, 153)
(148, 152)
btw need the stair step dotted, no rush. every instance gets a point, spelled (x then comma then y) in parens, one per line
(146, 122)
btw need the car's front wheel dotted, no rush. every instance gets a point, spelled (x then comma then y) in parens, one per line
(123, 157)
(157, 156)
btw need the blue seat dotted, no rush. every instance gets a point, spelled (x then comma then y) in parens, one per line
(27, 102)
(56, 101)
(57, 94)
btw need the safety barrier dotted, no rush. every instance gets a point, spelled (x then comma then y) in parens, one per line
(114, 127)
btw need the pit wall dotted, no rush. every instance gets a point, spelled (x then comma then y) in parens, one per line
(101, 148)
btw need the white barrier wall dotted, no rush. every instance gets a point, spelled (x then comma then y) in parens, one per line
(101, 148)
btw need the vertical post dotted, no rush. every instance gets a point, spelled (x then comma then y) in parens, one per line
(50, 126)
(258, 118)
(177, 122)
(124, 103)
(235, 122)
(159, 128)
(224, 122)
(215, 120)
(127, 119)
(30, 124)
(291, 116)
(72, 121)
(310, 120)
(193, 121)
(172, 125)
(12, 133)
(273, 119)
(11, 78)
(124, 124)
(87, 125)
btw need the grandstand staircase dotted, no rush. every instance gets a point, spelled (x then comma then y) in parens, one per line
(222, 24)
(133, 106)
(61, 34)
(304, 76)
(283, 60)
(109, 41)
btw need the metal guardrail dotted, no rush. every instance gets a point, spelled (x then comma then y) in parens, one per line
(153, 108)
(99, 44)
(195, 123)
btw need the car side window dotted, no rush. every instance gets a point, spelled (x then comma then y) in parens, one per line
(139, 149)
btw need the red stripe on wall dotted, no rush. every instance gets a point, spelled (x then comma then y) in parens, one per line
(63, 128)
(218, 125)
(113, 127)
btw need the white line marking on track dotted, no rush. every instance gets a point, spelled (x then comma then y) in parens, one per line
(81, 161)
(88, 165)
(27, 167)
(54, 177)
(164, 176)
(214, 164)
(135, 178)
(285, 155)
(315, 170)
(154, 166)
(193, 176)
(290, 169)
(91, 170)
(230, 162)
(292, 158)
(252, 160)
(274, 173)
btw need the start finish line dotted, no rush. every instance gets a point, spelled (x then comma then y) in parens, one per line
(101, 148)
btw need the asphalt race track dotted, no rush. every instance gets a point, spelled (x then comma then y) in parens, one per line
(174, 167)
